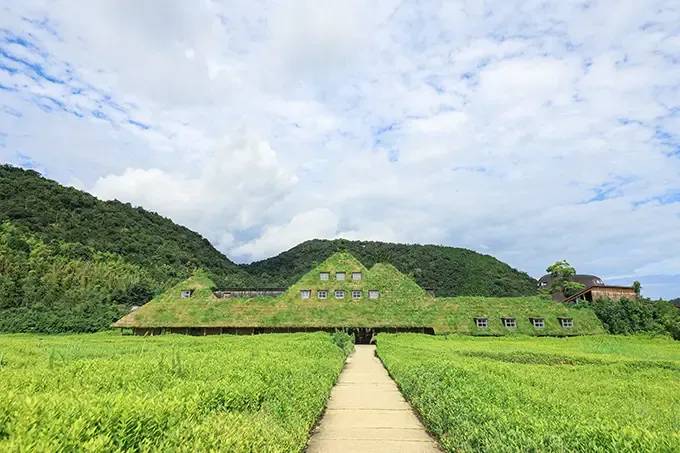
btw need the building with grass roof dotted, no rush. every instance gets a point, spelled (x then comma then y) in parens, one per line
(342, 294)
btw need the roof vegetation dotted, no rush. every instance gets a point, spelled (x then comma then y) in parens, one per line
(402, 303)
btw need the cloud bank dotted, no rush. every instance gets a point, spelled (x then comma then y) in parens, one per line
(529, 131)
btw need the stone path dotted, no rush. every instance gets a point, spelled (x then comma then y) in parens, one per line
(367, 413)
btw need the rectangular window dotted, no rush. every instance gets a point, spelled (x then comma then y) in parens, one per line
(356, 294)
(322, 294)
(373, 294)
(324, 275)
(567, 323)
(509, 323)
(305, 293)
(356, 275)
(339, 294)
(538, 323)
(185, 294)
(339, 275)
(482, 323)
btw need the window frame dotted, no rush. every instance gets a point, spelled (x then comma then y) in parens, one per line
(186, 294)
(344, 276)
(479, 321)
(535, 321)
(319, 291)
(356, 279)
(508, 321)
(374, 291)
(354, 291)
(567, 323)
(341, 291)
(308, 292)
(327, 274)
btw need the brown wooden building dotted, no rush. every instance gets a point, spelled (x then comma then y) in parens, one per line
(596, 291)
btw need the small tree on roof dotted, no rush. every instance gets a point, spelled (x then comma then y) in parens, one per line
(562, 273)
(637, 287)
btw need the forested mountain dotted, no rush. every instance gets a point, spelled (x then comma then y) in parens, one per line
(53, 212)
(71, 262)
(451, 271)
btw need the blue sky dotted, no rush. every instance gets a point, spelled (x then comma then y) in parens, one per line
(530, 131)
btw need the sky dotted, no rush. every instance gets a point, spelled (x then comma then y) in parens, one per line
(529, 131)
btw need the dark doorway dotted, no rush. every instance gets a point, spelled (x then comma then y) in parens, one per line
(365, 335)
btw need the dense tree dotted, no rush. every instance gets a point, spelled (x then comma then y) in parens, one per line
(562, 273)
(451, 271)
(83, 223)
(72, 263)
(630, 316)
(43, 288)
(637, 287)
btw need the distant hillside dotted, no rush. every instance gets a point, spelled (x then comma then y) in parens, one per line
(451, 271)
(71, 262)
(51, 211)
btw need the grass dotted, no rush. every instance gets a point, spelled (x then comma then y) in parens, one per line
(402, 303)
(598, 393)
(102, 392)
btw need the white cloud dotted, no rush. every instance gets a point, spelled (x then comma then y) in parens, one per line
(231, 190)
(484, 125)
(318, 223)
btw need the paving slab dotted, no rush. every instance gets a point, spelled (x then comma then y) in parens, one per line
(367, 413)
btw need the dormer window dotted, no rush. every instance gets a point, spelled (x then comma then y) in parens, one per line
(339, 275)
(356, 294)
(538, 323)
(305, 293)
(567, 323)
(339, 294)
(373, 294)
(482, 323)
(186, 293)
(322, 294)
(509, 323)
(324, 276)
(356, 276)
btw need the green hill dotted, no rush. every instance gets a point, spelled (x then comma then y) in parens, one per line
(71, 262)
(401, 303)
(450, 271)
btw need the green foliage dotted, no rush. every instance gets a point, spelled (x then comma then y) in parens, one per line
(166, 393)
(582, 394)
(637, 287)
(54, 212)
(47, 288)
(344, 341)
(626, 316)
(402, 303)
(562, 272)
(451, 271)
(72, 263)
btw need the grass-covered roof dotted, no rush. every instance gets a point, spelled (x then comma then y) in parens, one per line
(402, 303)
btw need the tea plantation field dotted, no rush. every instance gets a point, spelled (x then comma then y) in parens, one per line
(599, 393)
(108, 393)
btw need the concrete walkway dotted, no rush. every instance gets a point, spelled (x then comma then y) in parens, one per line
(366, 413)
